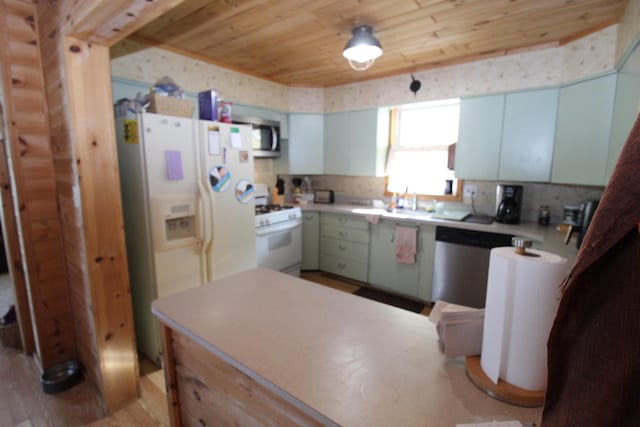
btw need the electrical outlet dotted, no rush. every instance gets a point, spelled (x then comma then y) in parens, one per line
(470, 190)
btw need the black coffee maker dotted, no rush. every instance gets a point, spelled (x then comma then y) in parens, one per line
(509, 202)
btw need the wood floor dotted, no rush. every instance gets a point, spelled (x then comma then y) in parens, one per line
(341, 284)
(24, 404)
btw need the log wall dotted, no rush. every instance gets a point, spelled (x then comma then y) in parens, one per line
(31, 167)
(74, 40)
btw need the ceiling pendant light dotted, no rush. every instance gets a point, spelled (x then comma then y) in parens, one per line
(363, 48)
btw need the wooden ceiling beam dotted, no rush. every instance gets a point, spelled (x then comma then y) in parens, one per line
(108, 21)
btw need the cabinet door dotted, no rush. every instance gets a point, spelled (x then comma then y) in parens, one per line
(528, 135)
(582, 135)
(306, 143)
(626, 108)
(479, 138)
(384, 270)
(336, 144)
(425, 260)
(310, 240)
(363, 133)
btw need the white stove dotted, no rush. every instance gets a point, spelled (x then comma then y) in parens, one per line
(274, 214)
(278, 234)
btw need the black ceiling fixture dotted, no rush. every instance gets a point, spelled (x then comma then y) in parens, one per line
(415, 85)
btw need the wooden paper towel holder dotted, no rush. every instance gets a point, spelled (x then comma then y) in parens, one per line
(503, 391)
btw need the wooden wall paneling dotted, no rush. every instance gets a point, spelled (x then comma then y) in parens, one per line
(31, 169)
(51, 18)
(12, 245)
(93, 133)
(84, 326)
(83, 144)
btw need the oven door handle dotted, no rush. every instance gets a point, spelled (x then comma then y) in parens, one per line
(275, 228)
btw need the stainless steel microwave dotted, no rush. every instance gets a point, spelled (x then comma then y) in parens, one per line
(265, 138)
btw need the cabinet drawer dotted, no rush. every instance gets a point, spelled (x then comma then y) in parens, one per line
(344, 267)
(350, 221)
(344, 249)
(343, 233)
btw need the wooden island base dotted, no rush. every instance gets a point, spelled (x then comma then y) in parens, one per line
(207, 391)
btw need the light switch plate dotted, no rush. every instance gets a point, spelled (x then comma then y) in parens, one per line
(470, 190)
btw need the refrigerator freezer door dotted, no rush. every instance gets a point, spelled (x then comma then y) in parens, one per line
(171, 161)
(158, 185)
(227, 175)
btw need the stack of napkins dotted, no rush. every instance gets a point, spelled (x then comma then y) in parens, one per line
(459, 328)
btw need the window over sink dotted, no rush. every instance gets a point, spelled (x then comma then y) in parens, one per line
(423, 138)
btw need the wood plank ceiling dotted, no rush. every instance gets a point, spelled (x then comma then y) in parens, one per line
(300, 42)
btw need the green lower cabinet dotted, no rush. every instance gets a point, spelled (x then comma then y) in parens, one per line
(310, 240)
(427, 245)
(344, 245)
(384, 271)
(414, 280)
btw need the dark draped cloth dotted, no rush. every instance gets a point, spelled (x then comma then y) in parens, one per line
(594, 345)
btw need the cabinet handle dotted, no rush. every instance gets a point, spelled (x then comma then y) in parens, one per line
(308, 218)
(341, 265)
(342, 220)
(342, 247)
(342, 233)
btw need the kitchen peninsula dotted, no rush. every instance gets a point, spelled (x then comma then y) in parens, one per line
(264, 348)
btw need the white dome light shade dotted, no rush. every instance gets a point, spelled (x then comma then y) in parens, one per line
(363, 48)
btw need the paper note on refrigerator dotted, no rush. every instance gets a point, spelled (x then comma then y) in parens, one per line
(236, 142)
(214, 142)
(174, 165)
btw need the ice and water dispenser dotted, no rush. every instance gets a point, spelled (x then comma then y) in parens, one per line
(175, 224)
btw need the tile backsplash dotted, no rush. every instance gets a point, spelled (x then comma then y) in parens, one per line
(555, 196)
(364, 189)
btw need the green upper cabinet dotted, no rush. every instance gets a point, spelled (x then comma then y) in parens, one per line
(356, 142)
(625, 109)
(479, 138)
(528, 135)
(336, 144)
(583, 131)
(305, 147)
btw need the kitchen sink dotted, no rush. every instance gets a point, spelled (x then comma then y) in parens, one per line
(393, 213)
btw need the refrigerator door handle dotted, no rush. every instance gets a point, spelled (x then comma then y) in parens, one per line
(205, 226)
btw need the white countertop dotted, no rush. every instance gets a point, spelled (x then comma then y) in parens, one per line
(345, 359)
(549, 239)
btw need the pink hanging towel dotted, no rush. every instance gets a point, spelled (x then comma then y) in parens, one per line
(406, 244)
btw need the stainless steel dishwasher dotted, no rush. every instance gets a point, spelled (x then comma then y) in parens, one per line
(461, 264)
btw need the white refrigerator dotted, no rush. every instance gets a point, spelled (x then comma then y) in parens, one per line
(187, 197)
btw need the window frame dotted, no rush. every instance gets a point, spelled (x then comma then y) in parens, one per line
(393, 125)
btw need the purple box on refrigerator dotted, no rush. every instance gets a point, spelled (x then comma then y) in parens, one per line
(208, 105)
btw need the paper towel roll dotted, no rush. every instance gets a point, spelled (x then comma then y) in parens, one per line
(523, 293)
